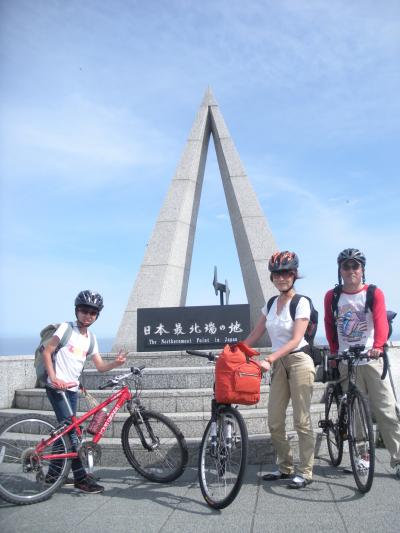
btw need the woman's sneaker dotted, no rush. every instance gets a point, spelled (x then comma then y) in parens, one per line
(89, 485)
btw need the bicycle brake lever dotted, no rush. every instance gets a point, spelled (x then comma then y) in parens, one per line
(385, 363)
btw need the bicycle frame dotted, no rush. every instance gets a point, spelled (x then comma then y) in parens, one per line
(121, 397)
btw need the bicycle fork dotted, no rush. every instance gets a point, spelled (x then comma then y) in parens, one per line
(223, 434)
(151, 442)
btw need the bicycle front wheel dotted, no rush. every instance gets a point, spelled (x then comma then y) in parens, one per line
(154, 446)
(332, 426)
(223, 458)
(23, 469)
(361, 442)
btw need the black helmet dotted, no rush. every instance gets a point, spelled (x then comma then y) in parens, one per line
(351, 253)
(91, 299)
(283, 261)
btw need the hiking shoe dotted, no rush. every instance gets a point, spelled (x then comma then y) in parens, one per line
(68, 482)
(87, 484)
(275, 476)
(299, 482)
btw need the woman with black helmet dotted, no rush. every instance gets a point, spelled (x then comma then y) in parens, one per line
(293, 371)
(349, 320)
(64, 367)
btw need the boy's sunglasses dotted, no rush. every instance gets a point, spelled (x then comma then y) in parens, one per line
(87, 311)
(351, 266)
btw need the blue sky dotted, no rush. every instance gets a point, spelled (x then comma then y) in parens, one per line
(98, 98)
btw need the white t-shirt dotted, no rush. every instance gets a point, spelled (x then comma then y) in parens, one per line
(69, 360)
(280, 327)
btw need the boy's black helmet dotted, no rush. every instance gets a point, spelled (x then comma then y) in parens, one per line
(91, 299)
(351, 253)
(283, 261)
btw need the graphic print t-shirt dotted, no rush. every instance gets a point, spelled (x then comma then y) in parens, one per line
(354, 325)
(69, 360)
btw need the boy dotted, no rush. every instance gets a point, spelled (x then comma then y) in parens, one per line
(356, 324)
(64, 368)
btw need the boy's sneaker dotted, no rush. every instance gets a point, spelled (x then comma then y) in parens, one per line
(362, 464)
(299, 482)
(397, 471)
(87, 484)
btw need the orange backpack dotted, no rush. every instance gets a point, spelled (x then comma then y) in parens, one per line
(237, 378)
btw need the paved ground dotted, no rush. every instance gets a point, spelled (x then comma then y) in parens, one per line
(130, 504)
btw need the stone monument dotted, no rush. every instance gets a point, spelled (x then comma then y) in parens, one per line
(164, 274)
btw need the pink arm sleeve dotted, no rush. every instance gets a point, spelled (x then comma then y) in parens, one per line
(381, 326)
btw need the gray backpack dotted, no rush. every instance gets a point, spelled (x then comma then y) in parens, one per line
(45, 335)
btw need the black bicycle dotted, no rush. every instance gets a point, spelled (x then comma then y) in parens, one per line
(347, 417)
(223, 451)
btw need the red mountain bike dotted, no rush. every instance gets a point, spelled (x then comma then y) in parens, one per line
(152, 443)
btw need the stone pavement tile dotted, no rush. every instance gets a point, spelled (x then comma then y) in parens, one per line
(129, 502)
(132, 504)
(58, 514)
(382, 521)
(136, 505)
(310, 509)
(194, 514)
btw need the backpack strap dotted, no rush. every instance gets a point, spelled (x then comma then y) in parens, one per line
(337, 291)
(270, 302)
(369, 301)
(293, 305)
(65, 338)
(91, 343)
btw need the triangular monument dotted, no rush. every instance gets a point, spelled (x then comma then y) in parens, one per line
(164, 274)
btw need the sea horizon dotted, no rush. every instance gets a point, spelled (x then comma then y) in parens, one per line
(28, 345)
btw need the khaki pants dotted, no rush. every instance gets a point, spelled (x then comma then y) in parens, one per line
(381, 401)
(292, 378)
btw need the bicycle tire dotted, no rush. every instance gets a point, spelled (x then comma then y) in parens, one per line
(361, 442)
(166, 455)
(334, 437)
(222, 464)
(22, 471)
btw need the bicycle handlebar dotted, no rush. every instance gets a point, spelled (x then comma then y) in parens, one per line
(355, 352)
(135, 370)
(207, 355)
(68, 385)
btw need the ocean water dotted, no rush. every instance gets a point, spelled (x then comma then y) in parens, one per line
(27, 345)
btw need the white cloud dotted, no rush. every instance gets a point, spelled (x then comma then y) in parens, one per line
(81, 139)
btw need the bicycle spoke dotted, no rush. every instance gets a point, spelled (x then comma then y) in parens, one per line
(332, 427)
(154, 447)
(361, 443)
(222, 460)
(22, 470)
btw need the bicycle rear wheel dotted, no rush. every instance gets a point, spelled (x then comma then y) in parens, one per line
(154, 446)
(361, 442)
(22, 469)
(223, 458)
(332, 426)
